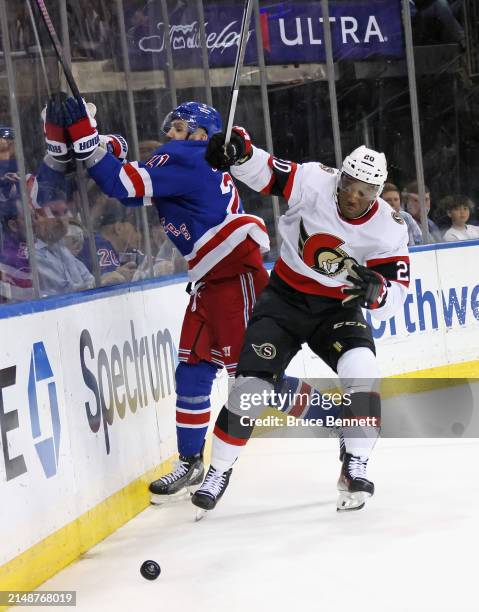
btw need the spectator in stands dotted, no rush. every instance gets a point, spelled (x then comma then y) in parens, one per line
(15, 272)
(413, 207)
(75, 237)
(435, 22)
(117, 242)
(458, 209)
(58, 270)
(8, 164)
(392, 195)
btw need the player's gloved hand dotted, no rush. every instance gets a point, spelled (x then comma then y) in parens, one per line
(115, 144)
(370, 289)
(237, 151)
(81, 127)
(56, 136)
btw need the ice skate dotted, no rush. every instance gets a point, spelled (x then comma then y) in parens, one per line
(353, 486)
(188, 472)
(211, 491)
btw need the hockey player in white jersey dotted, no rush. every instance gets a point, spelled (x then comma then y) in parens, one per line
(343, 249)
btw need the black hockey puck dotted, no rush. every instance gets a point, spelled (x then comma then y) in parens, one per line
(150, 570)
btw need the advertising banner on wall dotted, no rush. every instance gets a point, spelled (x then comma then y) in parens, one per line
(436, 324)
(87, 405)
(292, 32)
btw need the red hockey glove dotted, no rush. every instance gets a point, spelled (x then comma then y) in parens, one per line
(370, 289)
(238, 150)
(115, 144)
(56, 136)
(81, 127)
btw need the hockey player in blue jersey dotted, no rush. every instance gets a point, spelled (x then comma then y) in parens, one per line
(202, 214)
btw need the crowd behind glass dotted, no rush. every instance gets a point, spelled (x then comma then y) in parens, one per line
(373, 107)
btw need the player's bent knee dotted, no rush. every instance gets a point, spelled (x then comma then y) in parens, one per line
(358, 362)
(340, 349)
(249, 396)
(267, 376)
(360, 377)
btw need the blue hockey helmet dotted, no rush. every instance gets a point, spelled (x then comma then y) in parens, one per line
(196, 115)
(7, 132)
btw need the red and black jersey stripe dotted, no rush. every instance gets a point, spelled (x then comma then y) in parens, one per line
(392, 268)
(282, 178)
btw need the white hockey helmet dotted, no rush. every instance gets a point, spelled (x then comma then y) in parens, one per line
(366, 165)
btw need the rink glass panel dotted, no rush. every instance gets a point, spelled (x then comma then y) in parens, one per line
(133, 89)
(446, 58)
(20, 149)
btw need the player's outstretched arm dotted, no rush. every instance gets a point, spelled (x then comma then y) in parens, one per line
(134, 183)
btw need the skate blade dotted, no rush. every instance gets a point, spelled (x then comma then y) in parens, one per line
(200, 514)
(351, 501)
(163, 500)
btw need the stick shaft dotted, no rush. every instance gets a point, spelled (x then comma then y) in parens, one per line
(39, 45)
(58, 47)
(243, 39)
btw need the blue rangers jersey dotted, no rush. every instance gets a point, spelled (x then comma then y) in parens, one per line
(199, 207)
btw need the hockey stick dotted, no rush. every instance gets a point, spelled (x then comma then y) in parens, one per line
(40, 52)
(58, 47)
(243, 39)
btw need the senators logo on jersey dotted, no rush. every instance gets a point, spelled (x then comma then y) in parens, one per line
(321, 252)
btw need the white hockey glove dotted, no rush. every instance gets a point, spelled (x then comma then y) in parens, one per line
(115, 144)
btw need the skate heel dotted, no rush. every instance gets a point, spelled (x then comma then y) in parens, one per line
(188, 472)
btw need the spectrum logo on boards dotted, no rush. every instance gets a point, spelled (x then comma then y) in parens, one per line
(134, 372)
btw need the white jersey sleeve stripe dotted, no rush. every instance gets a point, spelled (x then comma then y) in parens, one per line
(127, 183)
(148, 186)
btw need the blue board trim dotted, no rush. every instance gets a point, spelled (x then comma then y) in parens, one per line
(62, 301)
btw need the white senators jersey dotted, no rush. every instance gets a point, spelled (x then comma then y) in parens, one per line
(318, 240)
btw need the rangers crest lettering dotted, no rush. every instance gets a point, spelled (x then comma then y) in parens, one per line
(321, 252)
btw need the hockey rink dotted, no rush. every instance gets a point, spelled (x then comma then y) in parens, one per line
(276, 542)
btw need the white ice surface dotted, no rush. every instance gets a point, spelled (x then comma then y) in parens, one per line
(276, 542)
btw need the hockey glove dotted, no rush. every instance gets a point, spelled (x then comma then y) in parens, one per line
(369, 289)
(237, 151)
(81, 127)
(56, 137)
(115, 144)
